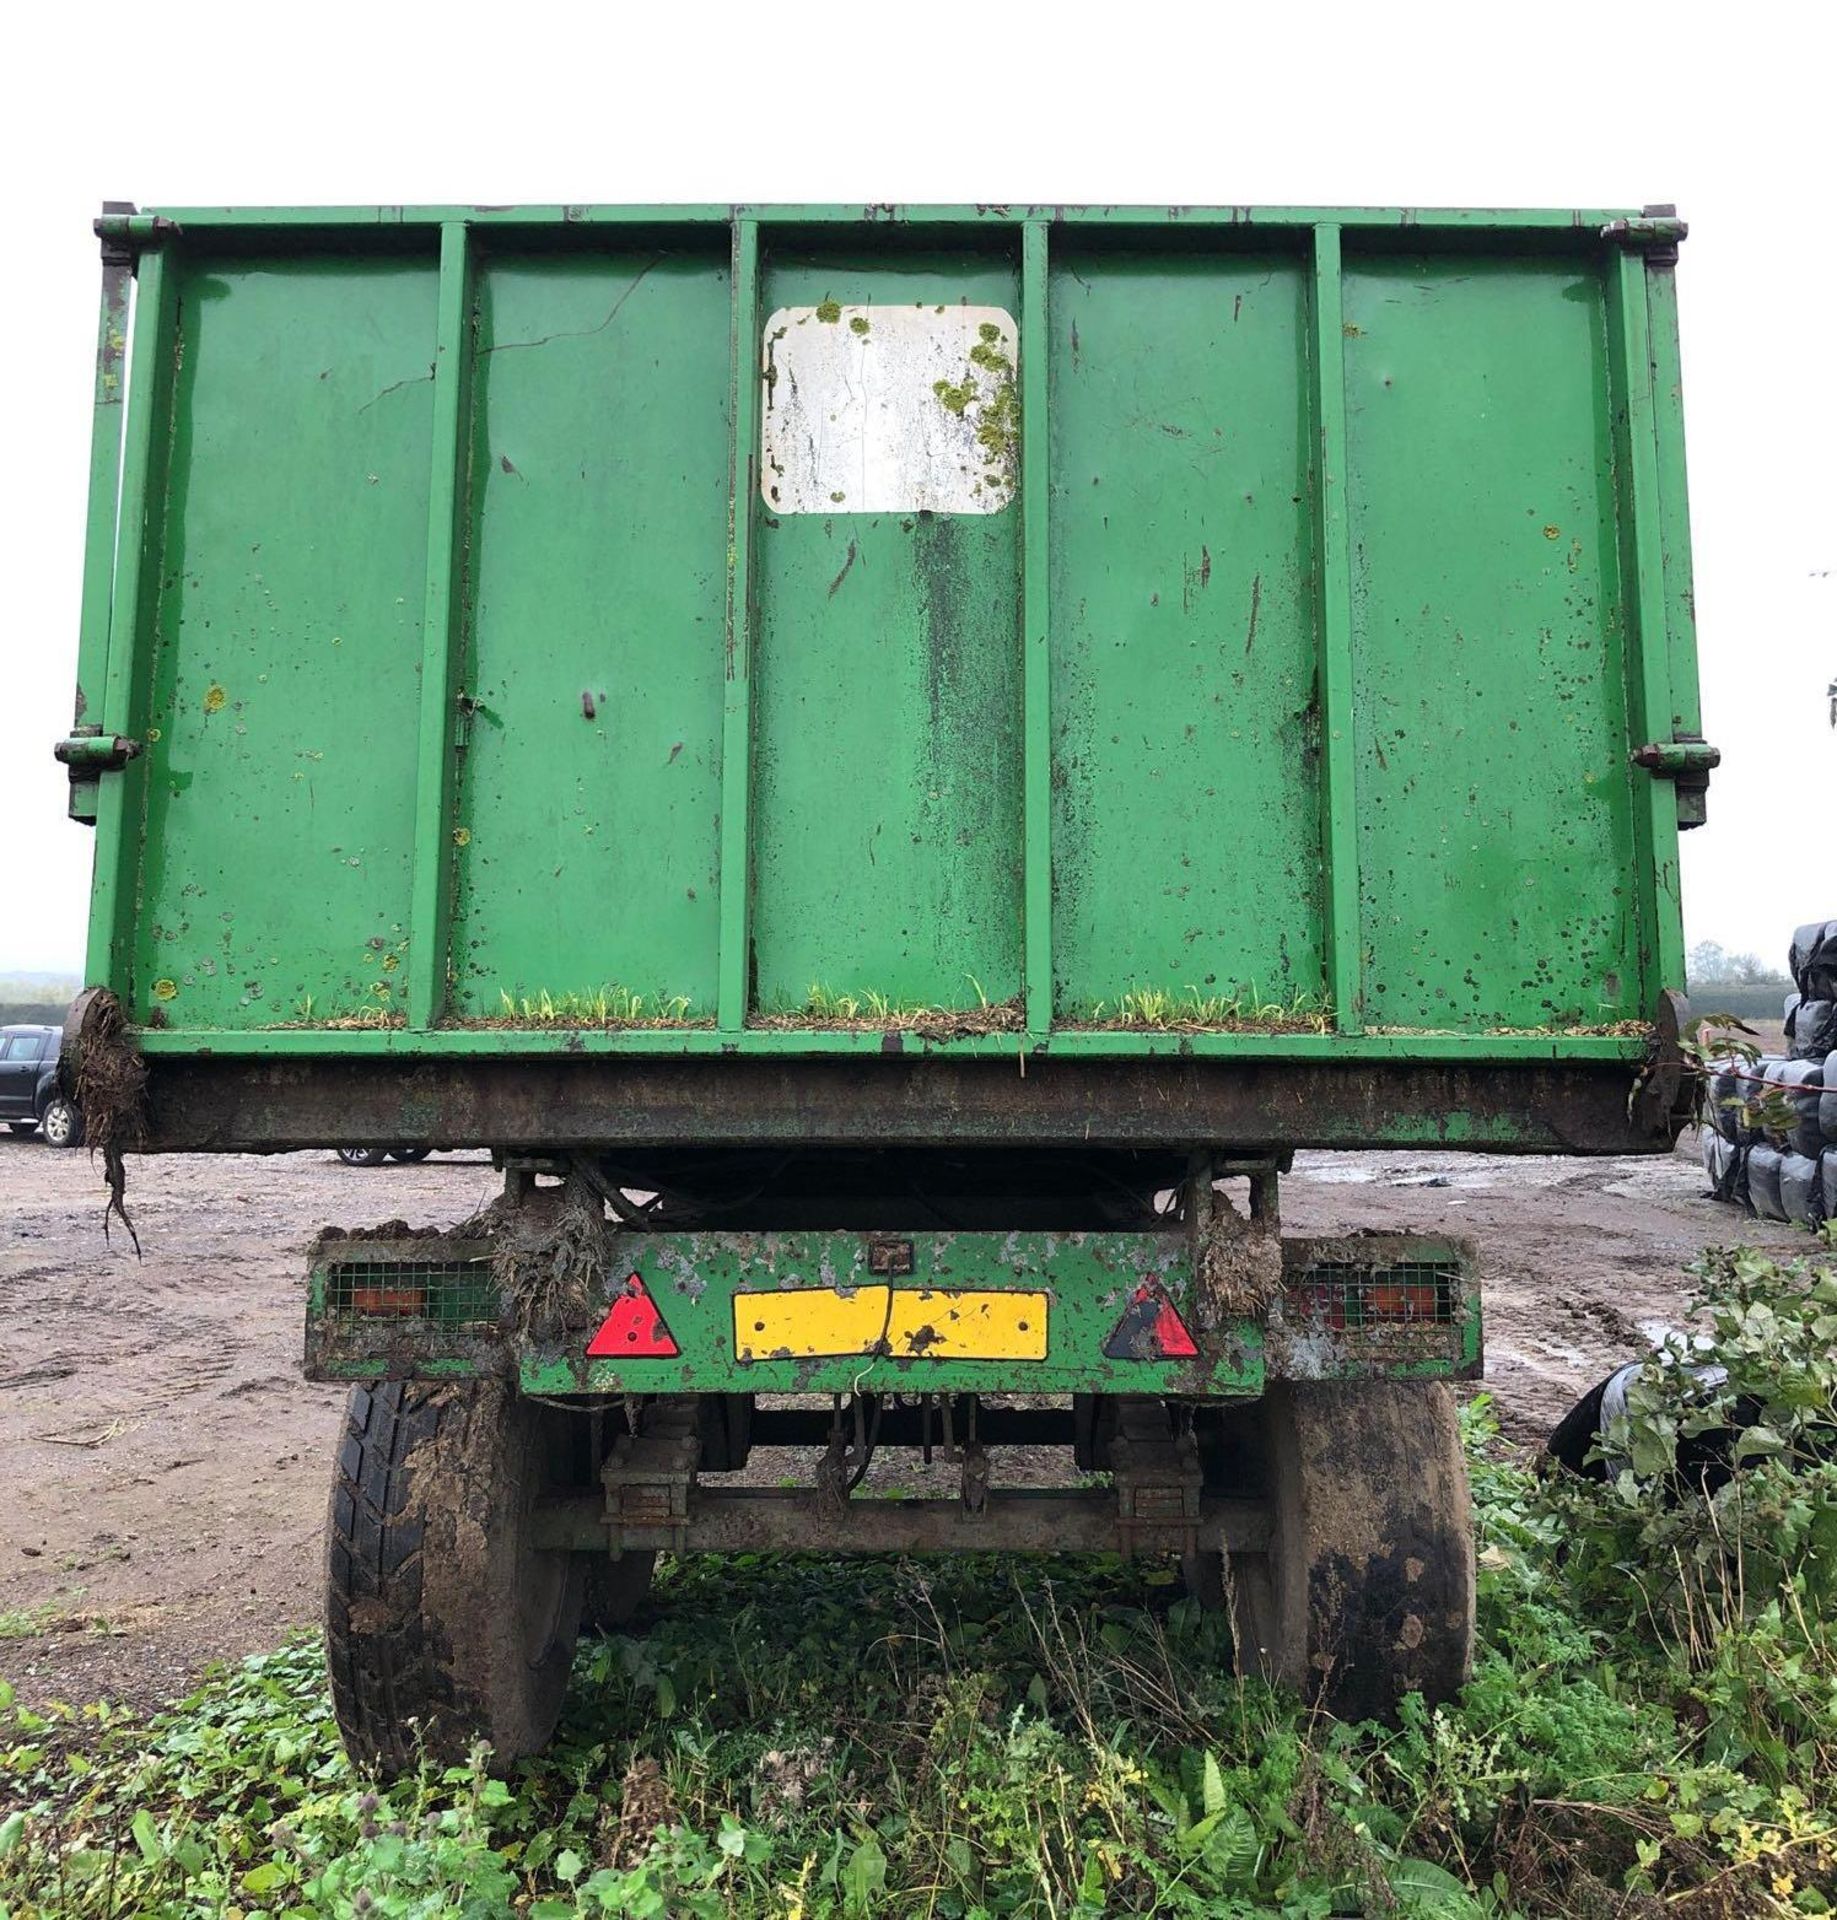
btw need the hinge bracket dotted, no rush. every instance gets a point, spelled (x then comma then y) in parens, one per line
(1656, 231)
(1688, 761)
(125, 233)
(88, 754)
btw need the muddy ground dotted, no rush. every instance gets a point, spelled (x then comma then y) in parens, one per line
(163, 1466)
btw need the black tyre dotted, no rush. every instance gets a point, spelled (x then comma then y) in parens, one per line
(410, 1156)
(22, 1127)
(1367, 1591)
(1372, 1561)
(62, 1123)
(444, 1625)
(362, 1156)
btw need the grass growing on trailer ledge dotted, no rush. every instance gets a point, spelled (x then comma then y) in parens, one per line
(1187, 1010)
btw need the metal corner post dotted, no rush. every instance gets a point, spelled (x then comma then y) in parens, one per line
(1648, 661)
(1673, 496)
(1036, 634)
(130, 612)
(104, 506)
(1333, 567)
(431, 905)
(737, 705)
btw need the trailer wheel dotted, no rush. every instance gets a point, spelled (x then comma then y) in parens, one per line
(1367, 1591)
(444, 1625)
(1372, 1561)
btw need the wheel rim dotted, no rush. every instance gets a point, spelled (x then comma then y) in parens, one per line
(57, 1124)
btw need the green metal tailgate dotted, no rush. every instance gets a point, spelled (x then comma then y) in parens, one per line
(790, 631)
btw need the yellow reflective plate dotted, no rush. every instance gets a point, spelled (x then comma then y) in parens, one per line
(910, 1323)
(808, 1323)
(932, 1324)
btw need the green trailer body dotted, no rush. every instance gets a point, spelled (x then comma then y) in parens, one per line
(1127, 642)
(881, 759)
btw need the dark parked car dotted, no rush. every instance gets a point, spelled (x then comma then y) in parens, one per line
(30, 1097)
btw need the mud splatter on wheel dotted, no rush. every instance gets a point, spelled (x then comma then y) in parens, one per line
(1366, 1593)
(1371, 1562)
(444, 1624)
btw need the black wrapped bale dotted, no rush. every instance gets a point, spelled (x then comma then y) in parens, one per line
(1827, 1109)
(1763, 1093)
(1725, 1164)
(1774, 1113)
(1801, 1082)
(1827, 1179)
(1716, 1155)
(1732, 1084)
(1813, 1031)
(1800, 1193)
(1764, 1165)
(1813, 960)
(1789, 1014)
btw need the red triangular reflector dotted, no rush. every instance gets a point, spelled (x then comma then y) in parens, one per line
(1171, 1335)
(634, 1329)
(1150, 1329)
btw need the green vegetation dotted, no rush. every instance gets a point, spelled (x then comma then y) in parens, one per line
(604, 1007)
(1161, 1009)
(1651, 1728)
(955, 398)
(873, 1011)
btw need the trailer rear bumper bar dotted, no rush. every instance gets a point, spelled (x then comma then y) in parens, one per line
(224, 1103)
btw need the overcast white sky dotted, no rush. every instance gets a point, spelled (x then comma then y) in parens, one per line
(1727, 113)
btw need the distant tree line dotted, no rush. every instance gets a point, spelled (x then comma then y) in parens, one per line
(35, 1001)
(1712, 965)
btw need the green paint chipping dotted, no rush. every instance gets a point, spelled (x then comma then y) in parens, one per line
(829, 311)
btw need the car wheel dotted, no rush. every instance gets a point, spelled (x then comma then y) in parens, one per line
(410, 1156)
(363, 1156)
(62, 1123)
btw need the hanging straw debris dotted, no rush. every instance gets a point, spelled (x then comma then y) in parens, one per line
(1240, 1262)
(108, 1083)
(550, 1253)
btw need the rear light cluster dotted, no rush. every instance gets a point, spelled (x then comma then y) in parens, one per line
(1351, 1297)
